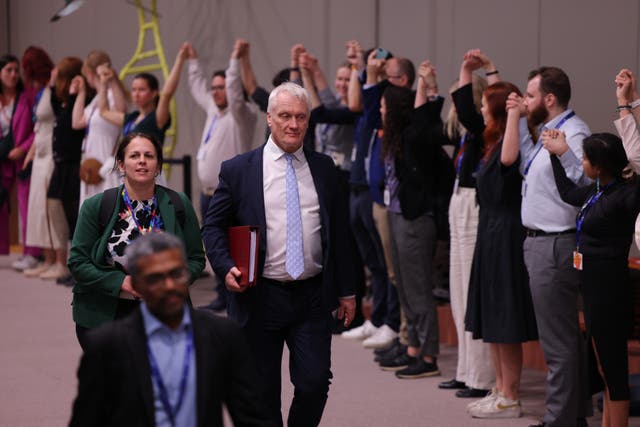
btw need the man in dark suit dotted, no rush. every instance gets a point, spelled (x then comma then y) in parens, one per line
(304, 264)
(165, 364)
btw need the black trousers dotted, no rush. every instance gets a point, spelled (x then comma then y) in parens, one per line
(293, 313)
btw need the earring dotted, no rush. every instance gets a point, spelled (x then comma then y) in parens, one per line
(598, 183)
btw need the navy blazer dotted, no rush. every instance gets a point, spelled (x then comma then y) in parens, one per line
(114, 378)
(239, 200)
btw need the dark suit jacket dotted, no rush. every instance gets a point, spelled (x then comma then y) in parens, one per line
(115, 386)
(239, 200)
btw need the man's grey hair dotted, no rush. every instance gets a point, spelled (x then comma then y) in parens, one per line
(291, 88)
(150, 244)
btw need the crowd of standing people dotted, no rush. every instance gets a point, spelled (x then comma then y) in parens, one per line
(354, 185)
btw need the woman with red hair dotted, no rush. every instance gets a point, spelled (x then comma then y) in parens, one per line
(16, 132)
(499, 307)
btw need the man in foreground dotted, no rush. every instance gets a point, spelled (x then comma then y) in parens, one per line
(165, 364)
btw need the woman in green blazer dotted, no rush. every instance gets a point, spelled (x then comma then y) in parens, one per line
(103, 289)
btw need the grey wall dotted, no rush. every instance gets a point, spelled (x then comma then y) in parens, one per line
(590, 39)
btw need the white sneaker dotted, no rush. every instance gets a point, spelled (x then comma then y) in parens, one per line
(487, 400)
(501, 407)
(25, 262)
(383, 337)
(361, 332)
(55, 272)
(37, 270)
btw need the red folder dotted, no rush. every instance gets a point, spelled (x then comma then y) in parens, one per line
(243, 247)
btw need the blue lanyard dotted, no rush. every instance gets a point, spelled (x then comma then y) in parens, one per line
(170, 410)
(130, 125)
(459, 163)
(213, 123)
(154, 224)
(585, 209)
(558, 126)
(34, 118)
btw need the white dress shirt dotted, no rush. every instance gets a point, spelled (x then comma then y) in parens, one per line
(542, 207)
(275, 207)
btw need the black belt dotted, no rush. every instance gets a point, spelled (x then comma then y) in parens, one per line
(293, 283)
(540, 233)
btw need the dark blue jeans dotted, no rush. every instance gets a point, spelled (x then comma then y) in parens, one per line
(386, 309)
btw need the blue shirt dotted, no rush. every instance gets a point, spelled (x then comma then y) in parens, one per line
(542, 207)
(168, 347)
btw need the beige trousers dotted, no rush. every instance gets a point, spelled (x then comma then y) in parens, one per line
(475, 367)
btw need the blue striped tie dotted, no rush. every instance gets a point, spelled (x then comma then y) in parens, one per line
(295, 257)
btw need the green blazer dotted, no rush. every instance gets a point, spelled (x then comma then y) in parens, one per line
(95, 295)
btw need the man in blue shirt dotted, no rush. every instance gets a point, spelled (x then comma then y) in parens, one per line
(165, 364)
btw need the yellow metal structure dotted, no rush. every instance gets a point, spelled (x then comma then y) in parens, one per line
(148, 22)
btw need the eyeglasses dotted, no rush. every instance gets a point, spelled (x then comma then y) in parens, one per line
(178, 275)
(217, 88)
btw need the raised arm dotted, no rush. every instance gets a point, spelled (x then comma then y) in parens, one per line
(306, 63)
(355, 57)
(198, 84)
(627, 123)
(233, 82)
(427, 85)
(294, 72)
(170, 86)
(249, 81)
(78, 86)
(511, 140)
(105, 76)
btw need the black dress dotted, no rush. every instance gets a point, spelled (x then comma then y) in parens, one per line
(499, 305)
(606, 235)
(67, 152)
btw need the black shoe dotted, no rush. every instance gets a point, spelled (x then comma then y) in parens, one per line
(397, 363)
(215, 305)
(477, 393)
(419, 369)
(391, 353)
(382, 351)
(452, 384)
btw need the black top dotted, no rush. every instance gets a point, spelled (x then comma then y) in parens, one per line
(473, 144)
(423, 167)
(261, 97)
(148, 125)
(609, 224)
(66, 141)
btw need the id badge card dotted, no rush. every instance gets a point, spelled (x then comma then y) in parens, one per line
(455, 185)
(353, 154)
(201, 153)
(577, 260)
(523, 193)
(386, 197)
